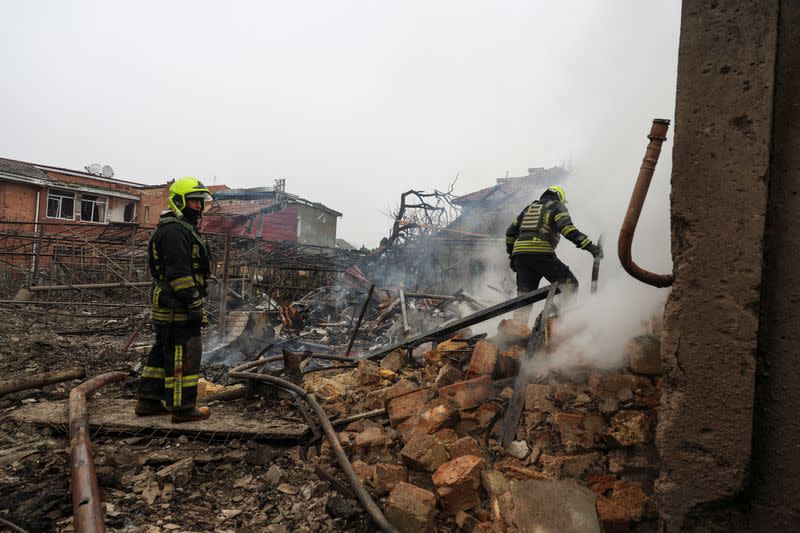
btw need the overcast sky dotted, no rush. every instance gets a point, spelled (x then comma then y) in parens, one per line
(352, 102)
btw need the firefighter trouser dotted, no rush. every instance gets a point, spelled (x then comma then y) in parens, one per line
(531, 268)
(173, 367)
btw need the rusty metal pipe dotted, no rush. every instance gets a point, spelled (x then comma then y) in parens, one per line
(658, 134)
(87, 513)
(361, 493)
(40, 380)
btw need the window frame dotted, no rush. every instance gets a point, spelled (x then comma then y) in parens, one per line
(60, 195)
(95, 200)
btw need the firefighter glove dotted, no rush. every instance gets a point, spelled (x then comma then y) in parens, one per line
(595, 250)
(511, 263)
(195, 317)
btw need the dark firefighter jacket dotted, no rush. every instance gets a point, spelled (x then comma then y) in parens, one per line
(539, 227)
(179, 262)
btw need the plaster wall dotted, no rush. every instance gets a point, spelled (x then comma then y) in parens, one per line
(316, 226)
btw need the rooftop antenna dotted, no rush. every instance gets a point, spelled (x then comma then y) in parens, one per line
(107, 171)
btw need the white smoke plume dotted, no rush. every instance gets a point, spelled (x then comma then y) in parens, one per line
(592, 329)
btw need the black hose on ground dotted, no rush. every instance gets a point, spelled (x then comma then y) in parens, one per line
(361, 493)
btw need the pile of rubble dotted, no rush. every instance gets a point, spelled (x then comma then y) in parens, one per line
(583, 454)
(421, 426)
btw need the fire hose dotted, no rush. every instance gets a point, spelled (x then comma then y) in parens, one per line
(658, 134)
(361, 493)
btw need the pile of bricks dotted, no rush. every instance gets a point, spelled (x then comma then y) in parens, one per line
(235, 325)
(438, 462)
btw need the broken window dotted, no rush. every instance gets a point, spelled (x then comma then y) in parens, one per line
(147, 214)
(130, 212)
(93, 208)
(60, 204)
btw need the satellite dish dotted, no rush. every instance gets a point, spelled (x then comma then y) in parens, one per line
(107, 171)
(93, 169)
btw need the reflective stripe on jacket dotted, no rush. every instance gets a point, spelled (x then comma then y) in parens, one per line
(539, 227)
(180, 264)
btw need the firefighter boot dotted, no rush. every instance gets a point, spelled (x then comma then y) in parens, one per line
(149, 407)
(190, 415)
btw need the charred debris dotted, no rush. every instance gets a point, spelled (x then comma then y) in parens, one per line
(352, 391)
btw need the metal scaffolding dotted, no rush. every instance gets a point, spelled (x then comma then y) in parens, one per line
(83, 262)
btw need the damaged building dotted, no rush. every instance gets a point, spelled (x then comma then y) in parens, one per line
(399, 403)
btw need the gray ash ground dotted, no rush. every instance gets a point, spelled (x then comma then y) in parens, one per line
(228, 485)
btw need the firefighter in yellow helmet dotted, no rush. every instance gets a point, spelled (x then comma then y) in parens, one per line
(532, 238)
(180, 264)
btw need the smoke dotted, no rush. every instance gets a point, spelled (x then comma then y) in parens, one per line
(592, 329)
(592, 112)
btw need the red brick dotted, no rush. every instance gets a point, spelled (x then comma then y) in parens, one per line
(567, 466)
(580, 430)
(616, 385)
(395, 361)
(468, 394)
(465, 446)
(445, 437)
(470, 524)
(344, 439)
(371, 440)
(536, 397)
(457, 483)
(634, 459)
(376, 399)
(398, 389)
(406, 405)
(364, 471)
(628, 428)
(435, 415)
(449, 374)
(387, 476)
(422, 452)
(513, 331)
(411, 509)
(508, 362)
(484, 359)
(435, 356)
(472, 420)
(600, 483)
(624, 503)
(644, 355)
(648, 396)
(367, 373)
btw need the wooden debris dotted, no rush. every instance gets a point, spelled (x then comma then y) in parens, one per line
(117, 416)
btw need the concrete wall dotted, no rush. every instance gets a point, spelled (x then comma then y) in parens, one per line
(776, 468)
(721, 159)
